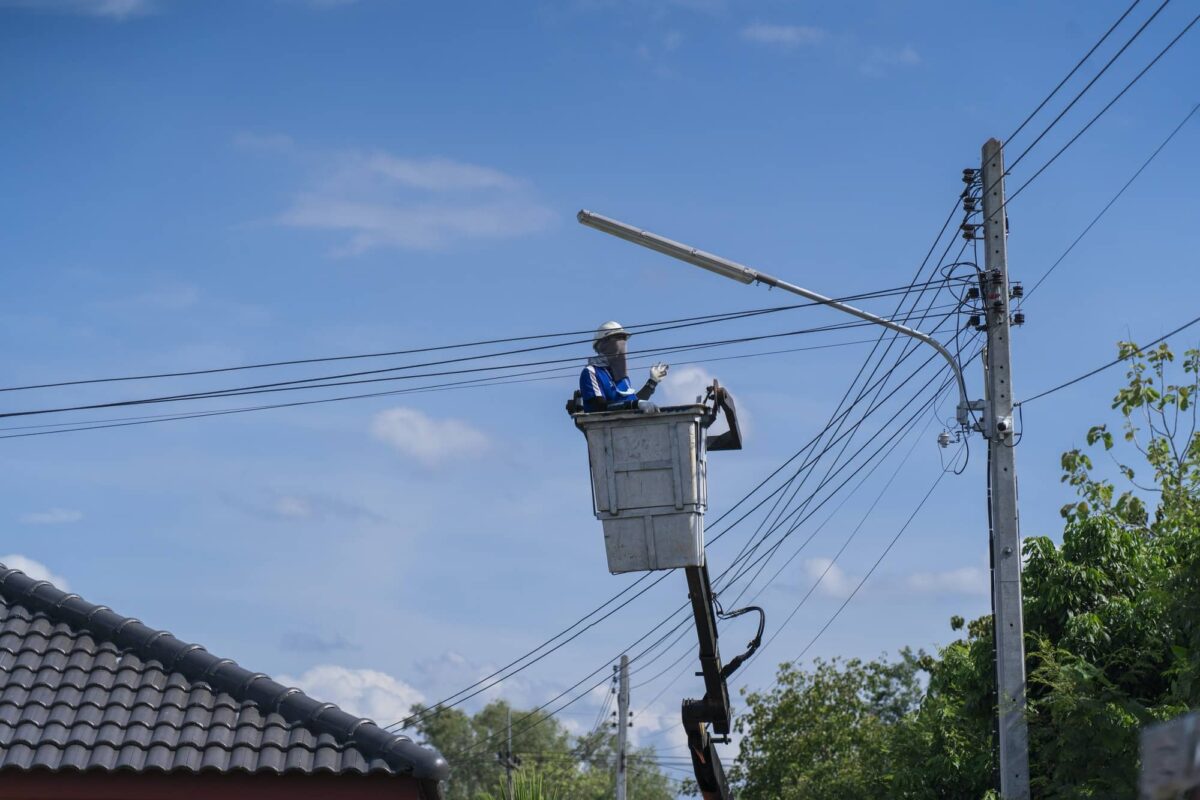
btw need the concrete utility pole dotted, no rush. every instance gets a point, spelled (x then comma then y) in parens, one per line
(507, 759)
(1002, 486)
(622, 726)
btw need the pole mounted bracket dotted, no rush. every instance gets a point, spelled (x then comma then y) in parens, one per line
(965, 409)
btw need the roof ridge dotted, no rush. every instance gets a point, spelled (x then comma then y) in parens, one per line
(222, 674)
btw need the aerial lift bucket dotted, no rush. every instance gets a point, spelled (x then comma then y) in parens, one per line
(649, 491)
(649, 485)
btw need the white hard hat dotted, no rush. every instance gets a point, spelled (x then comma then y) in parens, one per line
(610, 328)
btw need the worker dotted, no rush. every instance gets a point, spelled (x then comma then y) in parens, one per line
(604, 382)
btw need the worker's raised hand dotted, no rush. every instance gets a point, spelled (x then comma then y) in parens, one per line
(659, 371)
(646, 407)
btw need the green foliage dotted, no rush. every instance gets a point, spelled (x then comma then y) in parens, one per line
(1112, 620)
(554, 765)
(527, 785)
(817, 734)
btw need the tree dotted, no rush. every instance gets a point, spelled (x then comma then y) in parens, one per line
(552, 761)
(821, 734)
(1112, 619)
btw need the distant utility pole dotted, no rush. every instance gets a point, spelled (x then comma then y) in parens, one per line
(623, 724)
(1002, 486)
(507, 759)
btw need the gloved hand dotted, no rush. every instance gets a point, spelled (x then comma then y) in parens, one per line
(646, 407)
(659, 371)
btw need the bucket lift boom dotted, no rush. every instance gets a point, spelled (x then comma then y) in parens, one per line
(649, 490)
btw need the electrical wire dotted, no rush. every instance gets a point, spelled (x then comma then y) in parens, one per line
(1071, 74)
(1107, 365)
(871, 571)
(555, 373)
(643, 327)
(307, 384)
(1114, 199)
(1103, 110)
(1095, 77)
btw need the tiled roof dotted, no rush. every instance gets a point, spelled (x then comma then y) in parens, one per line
(84, 688)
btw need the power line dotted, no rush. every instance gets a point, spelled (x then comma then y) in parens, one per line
(1102, 111)
(1114, 199)
(874, 566)
(1095, 77)
(556, 373)
(1103, 367)
(649, 327)
(1070, 74)
(296, 385)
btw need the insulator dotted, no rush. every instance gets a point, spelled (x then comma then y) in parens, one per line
(973, 321)
(973, 293)
(969, 175)
(1018, 318)
(1016, 290)
(969, 205)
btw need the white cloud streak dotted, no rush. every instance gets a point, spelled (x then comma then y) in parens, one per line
(884, 60)
(53, 516)
(683, 385)
(381, 200)
(785, 36)
(428, 440)
(835, 583)
(362, 692)
(438, 174)
(112, 9)
(422, 226)
(34, 569)
(964, 580)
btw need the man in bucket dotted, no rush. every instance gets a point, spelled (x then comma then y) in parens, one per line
(604, 382)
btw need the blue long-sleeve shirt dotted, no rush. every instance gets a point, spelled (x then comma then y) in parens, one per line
(601, 393)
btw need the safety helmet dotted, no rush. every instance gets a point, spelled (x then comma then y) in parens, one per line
(610, 328)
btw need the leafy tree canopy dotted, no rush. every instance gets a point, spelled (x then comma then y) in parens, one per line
(1112, 620)
(554, 764)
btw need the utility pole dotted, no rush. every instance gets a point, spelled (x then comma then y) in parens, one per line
(507, 759)
(623, 724)
(1002, 486)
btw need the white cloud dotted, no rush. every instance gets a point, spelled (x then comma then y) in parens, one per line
(835, 583)
(34, 569)
(53, 516)
(430, 441)
(881, 60)
(420, 226)
(293, 507)
(439, 174)
(362, 692)
(113, 9)
(683, 385)
(377, 199)
(964, 580)
(787, 36)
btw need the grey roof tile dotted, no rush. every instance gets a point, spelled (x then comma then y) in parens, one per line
(131, 757)
(49, 755)
(83, 688)
(216, 758)
(18, 754)
(75, 756)
(187, 757)
(89, 714)
(102, 756)
(9, 715)
(221, 736)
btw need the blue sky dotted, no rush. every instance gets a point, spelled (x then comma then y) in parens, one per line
(195, 184)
